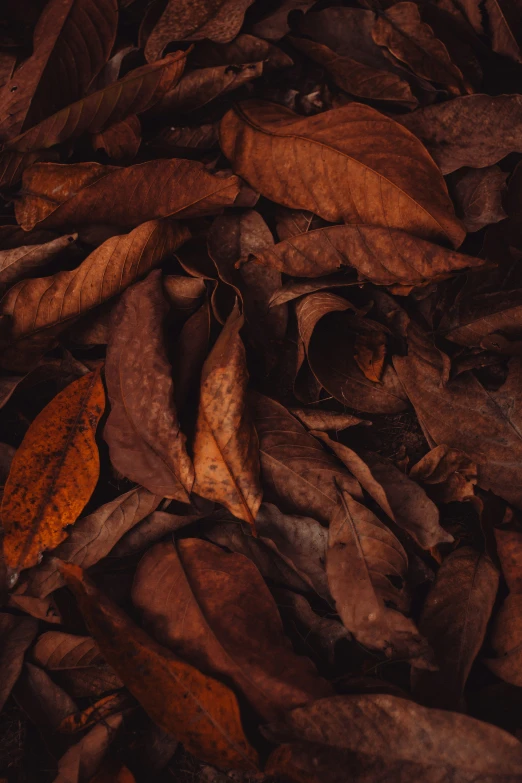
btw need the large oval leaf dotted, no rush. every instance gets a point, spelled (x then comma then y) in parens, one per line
(53, 473)
(350, 164)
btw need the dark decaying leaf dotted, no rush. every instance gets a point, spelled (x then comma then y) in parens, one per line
(145, 440)
(72, 42)
(21, 261)
(338, 170)
(187, 596)
(42, 699)
(454, 620)
(17, 634)
(390, 739)
(478, 195)
(462, 414)
(200, 711)
(297, 473)
(366, 567)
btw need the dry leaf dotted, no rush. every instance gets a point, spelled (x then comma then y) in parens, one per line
(506, 640)
(454, 620)
(226, 456)
(478, 195)
(143, 433)
(17, 634)
(82, 760)
(332, 164)
(21, 261)
(366, 567)
(53, 473)
(169, 690)
(86, 193)
(324, 421)
(214, 610)
(121, 140)
(449, 473)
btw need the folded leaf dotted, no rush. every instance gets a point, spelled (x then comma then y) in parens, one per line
(201, 712)
(145, 440)
(213, 609)
(19, 261)
(53, 474)
(40, 308)
(346, 164)
(86, 193)
(380, 255)
(226, 449)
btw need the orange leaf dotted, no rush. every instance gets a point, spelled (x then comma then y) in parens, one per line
(53, 474)
(226, 449)
(90, 716)
(201, 712)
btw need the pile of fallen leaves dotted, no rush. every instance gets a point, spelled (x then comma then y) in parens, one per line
(261, 350)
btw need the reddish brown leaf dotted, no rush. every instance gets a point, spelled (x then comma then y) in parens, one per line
(21, 261)
(454, 620)
(338, 170)
(226, 456)
(17, 634)
(449, 473)
(86, 191)
(72, 42)
(145, 441)
(478, 195)
(40, 308)
(121, 140)
(188, 595)
(200, 711)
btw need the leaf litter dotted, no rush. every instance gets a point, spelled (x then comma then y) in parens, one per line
(260, 351)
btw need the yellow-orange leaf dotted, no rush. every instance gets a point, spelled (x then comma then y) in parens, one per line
(200, 711)
(53, 473)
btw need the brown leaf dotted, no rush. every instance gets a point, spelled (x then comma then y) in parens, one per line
(301, 541)
(85, 193)
(390, 739)
(133, 94)
(184, 293)
(509, 550)
(370, 350)
(324, 421)
(41, 699)
(454, 620)
(81, 761)
(200, 86)
(186, 20)
(53, 474)
(366, 567)
(463, 415)
(187, 596)
(96, 713)
(274, 26)
(226, 457)
(145, 440)
(201, 712)
(16, 634)
(336, 170)
(354, 77)
(474, 130)
(478, 195)
(449, 473)
(121, 140)
(71, 44)
(21, 261)
(92, 538)
(506, 640)
(380, 255)
(401, 29)
(41, 308)
(504, 18)
(190, 354)
(298, 475)
(203, 137)
(296, 288)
